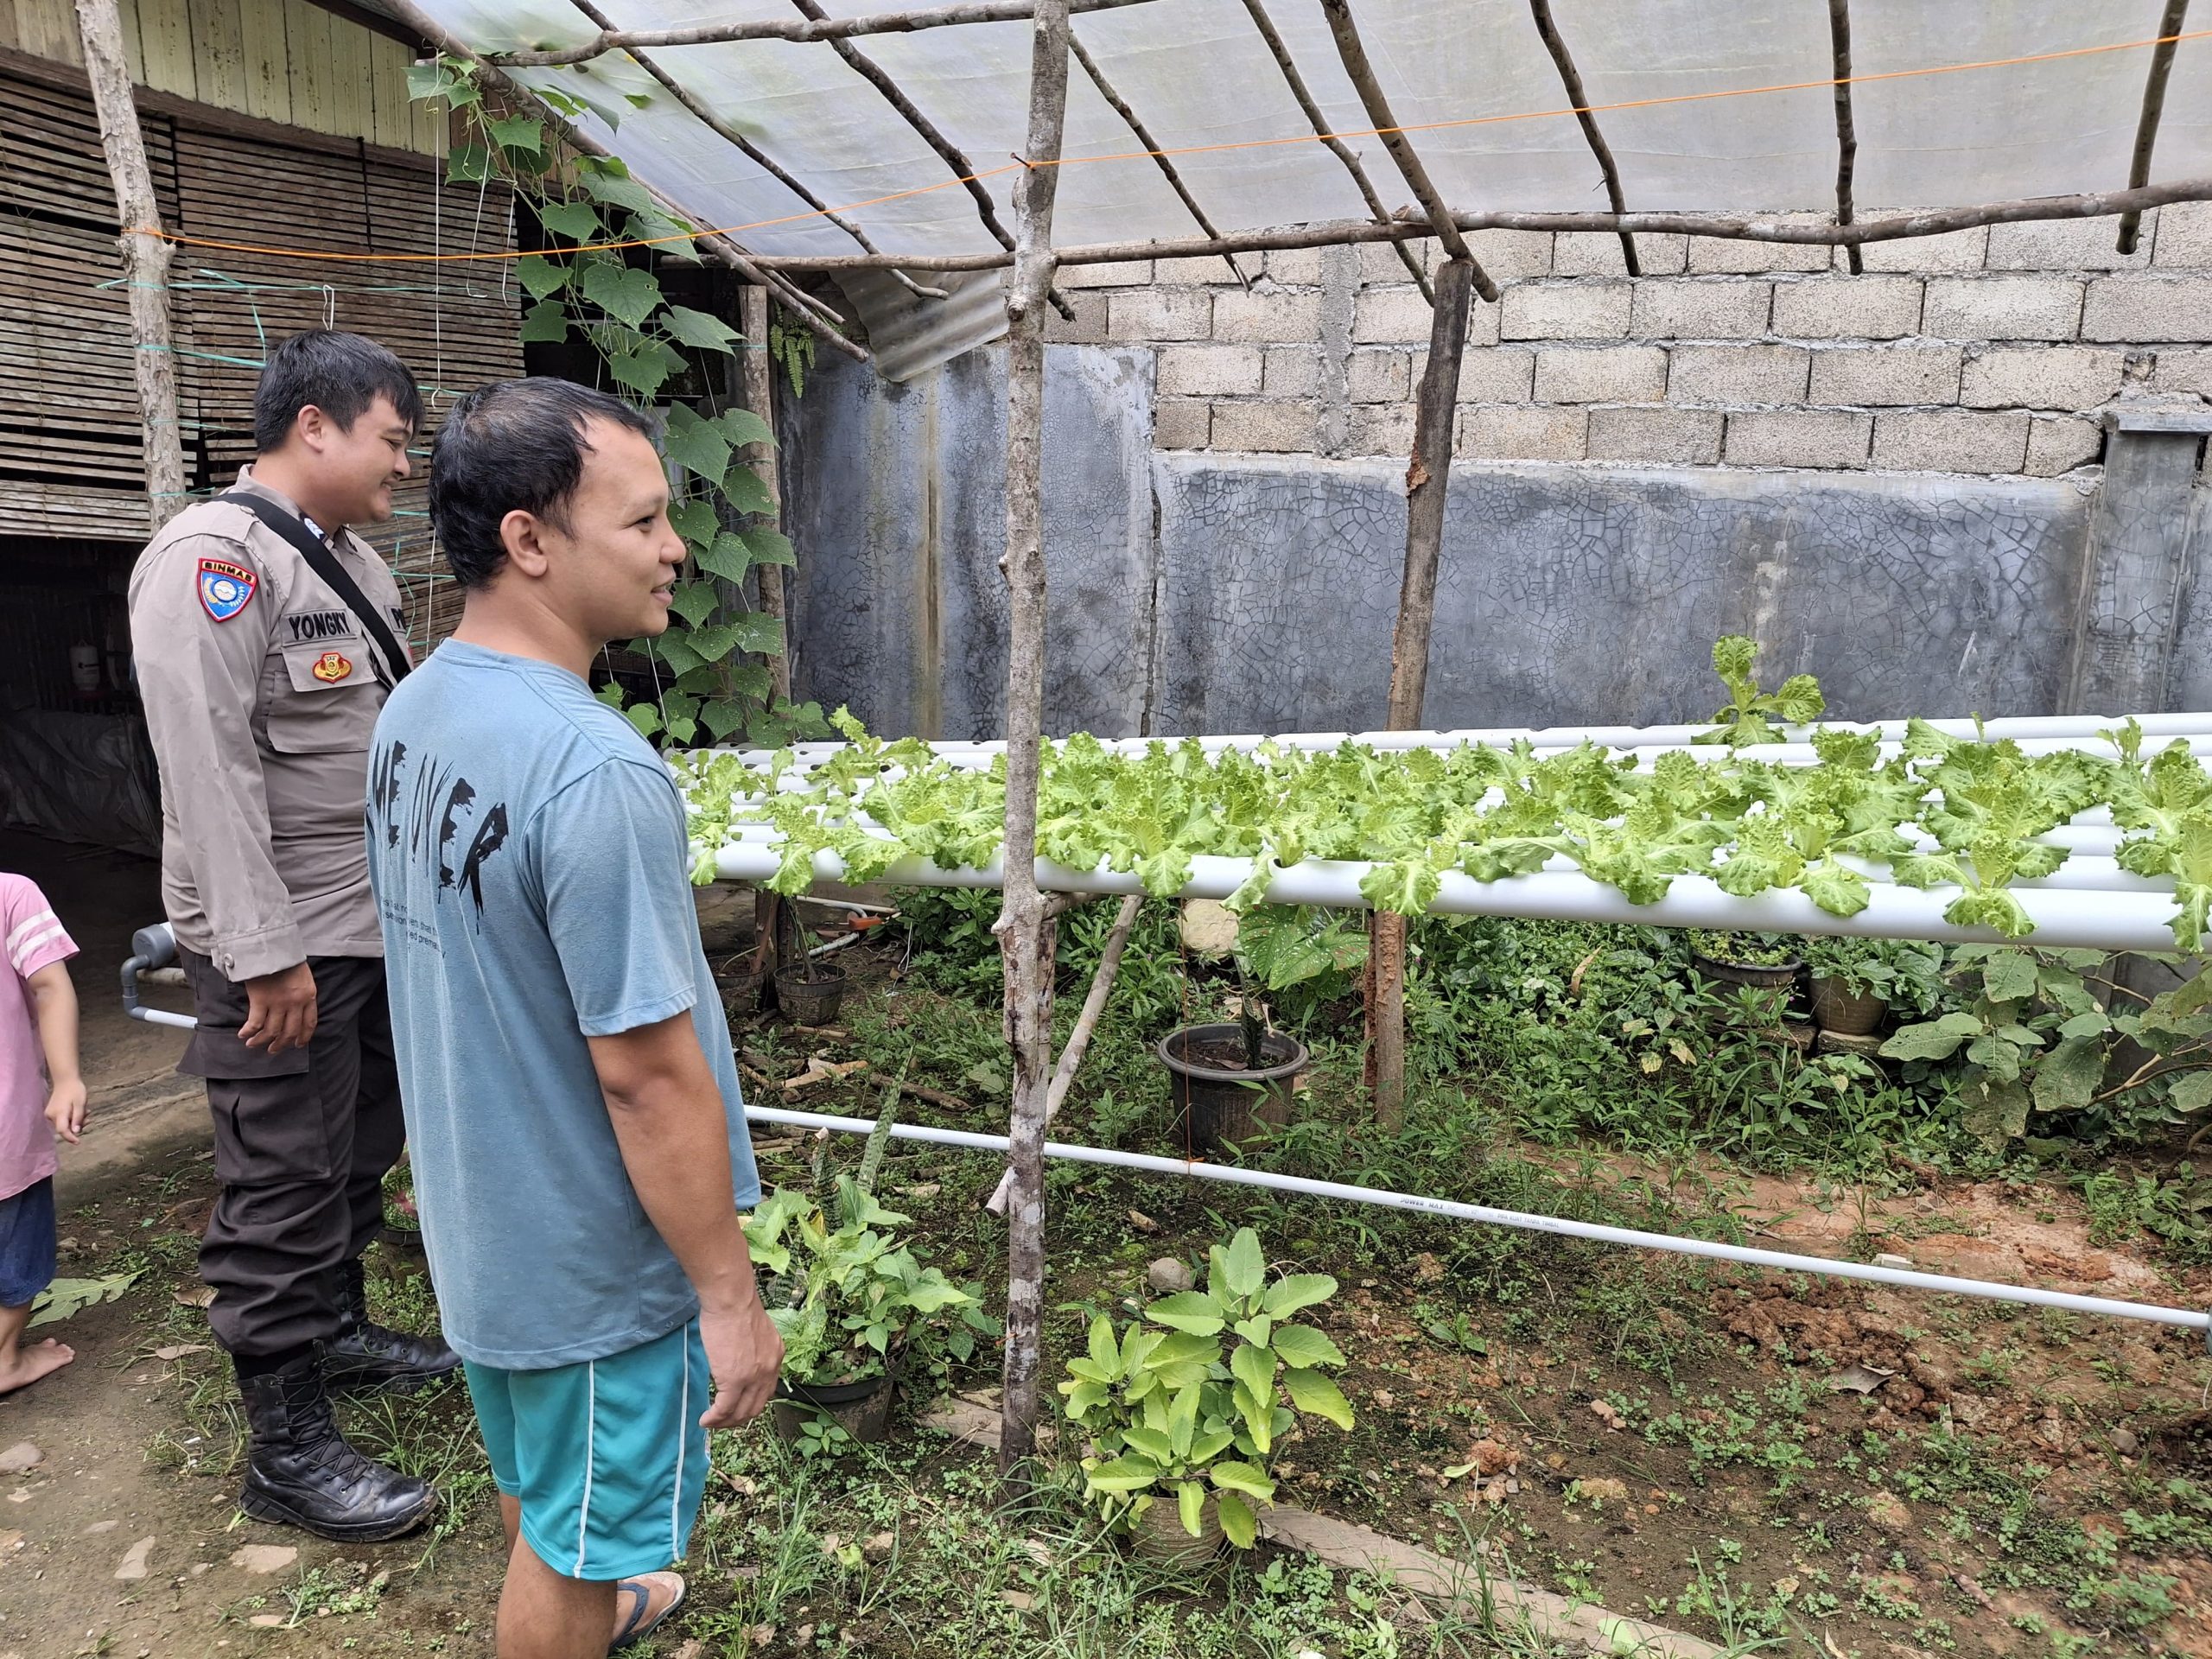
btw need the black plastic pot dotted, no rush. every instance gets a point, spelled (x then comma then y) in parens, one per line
(863, 1409)
(1216, 1103)
(1838, 1010)
(1761, 976)
(810, 1003)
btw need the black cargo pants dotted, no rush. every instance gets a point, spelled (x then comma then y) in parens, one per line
(303, 1140)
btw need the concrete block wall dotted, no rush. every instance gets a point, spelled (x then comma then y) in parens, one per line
(1987, 350)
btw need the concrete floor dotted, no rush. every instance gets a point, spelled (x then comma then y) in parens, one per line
(139, 1106)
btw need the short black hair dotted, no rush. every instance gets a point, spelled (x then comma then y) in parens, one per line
(339, 373)
(514, 445)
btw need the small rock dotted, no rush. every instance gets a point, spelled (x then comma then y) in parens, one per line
(2125, 1443)
(1604, 1489)
(265, 1558)
(179, 1350)
(102, 1526)
(1143, 1222)
(19, 1458)
(133, 1565)
(1167, 1276)
(691, 1649)
(1889, 1261)
(1493, 1457)
(1888, 1511)
(1383, 1398)
(760, 1636)
(878, 1548)
(1427, 1268)
(267, 1621)
(1019, 1600)
(926, 1190)
(1606, 1413)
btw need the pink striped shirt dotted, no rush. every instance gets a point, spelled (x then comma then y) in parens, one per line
(33, 938)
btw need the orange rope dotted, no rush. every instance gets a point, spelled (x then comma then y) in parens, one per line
(1190, 149)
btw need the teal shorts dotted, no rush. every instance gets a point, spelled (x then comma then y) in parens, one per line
(605, 1457)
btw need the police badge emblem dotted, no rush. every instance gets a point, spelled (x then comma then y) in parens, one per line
(330, 668)
(226, 588)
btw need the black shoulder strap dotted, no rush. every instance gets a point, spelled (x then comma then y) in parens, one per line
(324, 564)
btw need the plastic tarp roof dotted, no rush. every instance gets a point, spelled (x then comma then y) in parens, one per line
(1197, 73)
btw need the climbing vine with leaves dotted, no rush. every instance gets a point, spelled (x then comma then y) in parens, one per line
(707, 689)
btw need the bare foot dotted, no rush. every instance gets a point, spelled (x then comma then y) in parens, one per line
(32, 1363)
(634, 1618)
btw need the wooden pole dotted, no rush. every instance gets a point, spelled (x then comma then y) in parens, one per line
(1571, 79)
(1428, 480)
(146, 257)
(2154, 104)
(760, 398)
(1847, 134)
(821, 28)
(1025, 933)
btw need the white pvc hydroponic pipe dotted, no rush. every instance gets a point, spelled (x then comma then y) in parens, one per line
(1783, 1260)
(2063, 919)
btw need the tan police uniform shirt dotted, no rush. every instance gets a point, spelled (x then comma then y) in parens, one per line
(261, 689)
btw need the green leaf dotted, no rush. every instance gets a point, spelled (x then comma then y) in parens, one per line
(722, 716)
(745, 491)
(1311, 1392)
(1256, 1368)
(1152, 1443)
(759, 632)
(1259, 1417)
(1190, 1504)
(516, 132)
(1296, 1290)
(1995, 1111)
(63, 1298)
(695, 444)
(1237, 1522)
(1188, 1310)
(694, 520)
(742, 426)
(1241, 1270)
(431, 80)
(693, 602)
(545, 323)
(1123, 1475)
(469, 164)
(1105, 1352)
(1233, 1476)
(681, 728)
(577, 220)
(713, 643)
(540, 277)
(2008, 976)
(1255, 1330)
(643, 372)
(2066, 1077)
(646, 716)
(1303, 1347)
(1182, 1419)
(609, 181)
(2191, 1092)
(697, 330)
(624, 292)
(1935, 1040)
(769, 546)
(727, 556)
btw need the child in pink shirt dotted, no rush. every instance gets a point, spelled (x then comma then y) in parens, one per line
(38, 1017)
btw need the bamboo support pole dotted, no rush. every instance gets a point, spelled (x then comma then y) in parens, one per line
(146, 257)
(1130, 120)
(1086, 1028)
(1336, 146)
(1025, 933)
(1326, 233)
(1847, 136)
(950, 153)
(2154, 104)
(1570, 81)
(760, 398)
(1353, 51)
(1428, 478)
(817, 316)
(610, 39)
(752, 152)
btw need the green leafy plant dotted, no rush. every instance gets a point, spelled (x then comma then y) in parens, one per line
(1907, 974)
(2039, 1038)
(1166, 1408)
(603, 287)
(64, 1299)
(1748, 949)
(1750, 714)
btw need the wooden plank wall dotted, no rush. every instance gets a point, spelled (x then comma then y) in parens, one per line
(69, 430)
(285, 61)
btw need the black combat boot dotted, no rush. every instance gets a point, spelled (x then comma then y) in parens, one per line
(369, 1356)
(301, 1472)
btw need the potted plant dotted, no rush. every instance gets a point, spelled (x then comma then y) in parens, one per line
(1182, 1431)
(1767, 961)
(808, 990)
(1856, 983)
(1228, 1078)
(851, 1301)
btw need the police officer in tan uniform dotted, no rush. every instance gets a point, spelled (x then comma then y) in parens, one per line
(266, 635)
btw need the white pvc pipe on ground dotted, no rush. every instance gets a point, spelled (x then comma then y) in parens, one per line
(2063, 919)
(1783, 1260)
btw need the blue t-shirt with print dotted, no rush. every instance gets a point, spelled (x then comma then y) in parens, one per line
(531, 871)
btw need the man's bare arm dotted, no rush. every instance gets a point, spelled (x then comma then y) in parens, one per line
(673, 1130)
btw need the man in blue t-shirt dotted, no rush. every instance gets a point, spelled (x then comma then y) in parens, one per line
(578, 1141)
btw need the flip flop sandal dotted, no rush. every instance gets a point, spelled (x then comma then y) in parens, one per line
(636, 1627)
